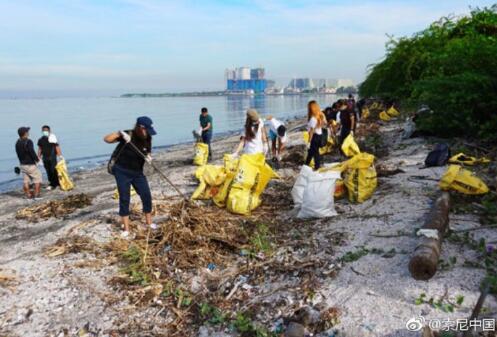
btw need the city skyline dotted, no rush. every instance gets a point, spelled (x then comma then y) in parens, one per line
(119, 46)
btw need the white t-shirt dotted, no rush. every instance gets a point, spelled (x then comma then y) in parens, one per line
(255, 145)
(312, 124)
(274, 124)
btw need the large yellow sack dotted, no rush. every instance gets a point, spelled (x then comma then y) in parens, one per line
(393, 112)
(461, 158)
(230, 166)
(210, 177)
(250, 180)
(360, 179)
(230, 163)
(365, 112)
(350, 147)
(201, 154)
(384, 116)
(462, 180)
(65, 181)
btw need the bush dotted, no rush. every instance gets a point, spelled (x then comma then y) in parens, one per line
(451, 67)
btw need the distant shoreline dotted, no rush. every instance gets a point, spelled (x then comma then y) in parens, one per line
(218, 93)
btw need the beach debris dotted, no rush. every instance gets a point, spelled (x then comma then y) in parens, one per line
(424, 261)
(384, 170)
(72, 244)
(54, 208)
(295, 329)
(439, 156)
(7, 280)
(461, 180)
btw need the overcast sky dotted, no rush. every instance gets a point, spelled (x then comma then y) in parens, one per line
(151, 45)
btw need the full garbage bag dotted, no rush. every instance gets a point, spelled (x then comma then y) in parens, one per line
(230, 166)
(360, 177)
(65, 181)
(393, 112)
(461, 158)
(210, 177)
(299, 186)
(459, 179)
(384, 116)
(365, 113)
(317, 200)
(350, 147)
(249, 181)
(201, 154)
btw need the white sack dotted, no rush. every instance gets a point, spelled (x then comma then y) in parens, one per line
(318, 200)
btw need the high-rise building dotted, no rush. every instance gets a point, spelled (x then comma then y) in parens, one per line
(301, 83)
(246, 79)
(344, 83)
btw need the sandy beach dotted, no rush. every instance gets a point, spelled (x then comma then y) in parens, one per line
(354, 264)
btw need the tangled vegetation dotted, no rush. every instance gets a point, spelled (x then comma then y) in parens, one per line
(451, 67)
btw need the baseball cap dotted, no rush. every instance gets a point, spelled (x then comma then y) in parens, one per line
(147, 123)
(23, 130)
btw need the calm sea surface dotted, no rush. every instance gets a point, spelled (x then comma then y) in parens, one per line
(81, 123)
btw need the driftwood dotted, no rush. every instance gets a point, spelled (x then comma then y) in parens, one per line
(424, 261)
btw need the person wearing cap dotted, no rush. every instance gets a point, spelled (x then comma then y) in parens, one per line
(254, 138)
(206, 127)
(133, 150)
(277, 134)
(28, 164)
(48, 151)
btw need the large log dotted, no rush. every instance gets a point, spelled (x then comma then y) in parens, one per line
(424, 261)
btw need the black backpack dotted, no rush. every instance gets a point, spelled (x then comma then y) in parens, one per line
(439, 156)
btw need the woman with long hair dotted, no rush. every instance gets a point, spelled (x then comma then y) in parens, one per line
(131, 154)
(254, 138)
(315, 123)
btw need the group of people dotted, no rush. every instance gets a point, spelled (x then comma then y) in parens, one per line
(48, 154)
(134, 148)
(336, 121)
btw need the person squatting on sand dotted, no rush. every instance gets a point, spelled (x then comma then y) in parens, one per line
(131, 153)
(277, 134)
(254, 138)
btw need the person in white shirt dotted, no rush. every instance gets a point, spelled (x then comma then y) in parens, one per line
(278, 137)
(315, 123)
(254, 139)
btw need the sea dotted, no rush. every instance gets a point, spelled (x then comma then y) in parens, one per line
(81, 123)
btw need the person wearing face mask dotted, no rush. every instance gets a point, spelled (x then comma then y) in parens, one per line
(133, 150)
(48, 151)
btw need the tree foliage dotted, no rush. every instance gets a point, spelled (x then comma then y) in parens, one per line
(452, 67)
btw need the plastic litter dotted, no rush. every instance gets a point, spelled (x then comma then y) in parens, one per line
(463, 159)
(464, 181)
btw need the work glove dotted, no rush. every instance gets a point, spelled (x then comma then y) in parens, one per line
(148, 159)
(125, 136)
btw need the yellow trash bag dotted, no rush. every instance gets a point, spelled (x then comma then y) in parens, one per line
(384, 116)
(249, 182)
(65, 181)
(393, 112)
(201, 154)
(210, 177)
(365, 112)
(360, 179)
(230, 166)
(461, 158)
(116, 193)
(350, 147)
(462, 180)
(230, 163)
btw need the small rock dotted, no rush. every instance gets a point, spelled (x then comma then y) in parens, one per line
(307, 316)
(295, 330)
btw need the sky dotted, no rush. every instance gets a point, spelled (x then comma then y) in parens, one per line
(115, 46)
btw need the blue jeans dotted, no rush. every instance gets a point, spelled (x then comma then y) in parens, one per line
(127, 178)
(206, 139)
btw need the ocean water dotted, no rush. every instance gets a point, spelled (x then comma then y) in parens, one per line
(81, 123)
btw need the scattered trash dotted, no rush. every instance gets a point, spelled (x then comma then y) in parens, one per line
(211, 266)
(55, 208)
(459, 179)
